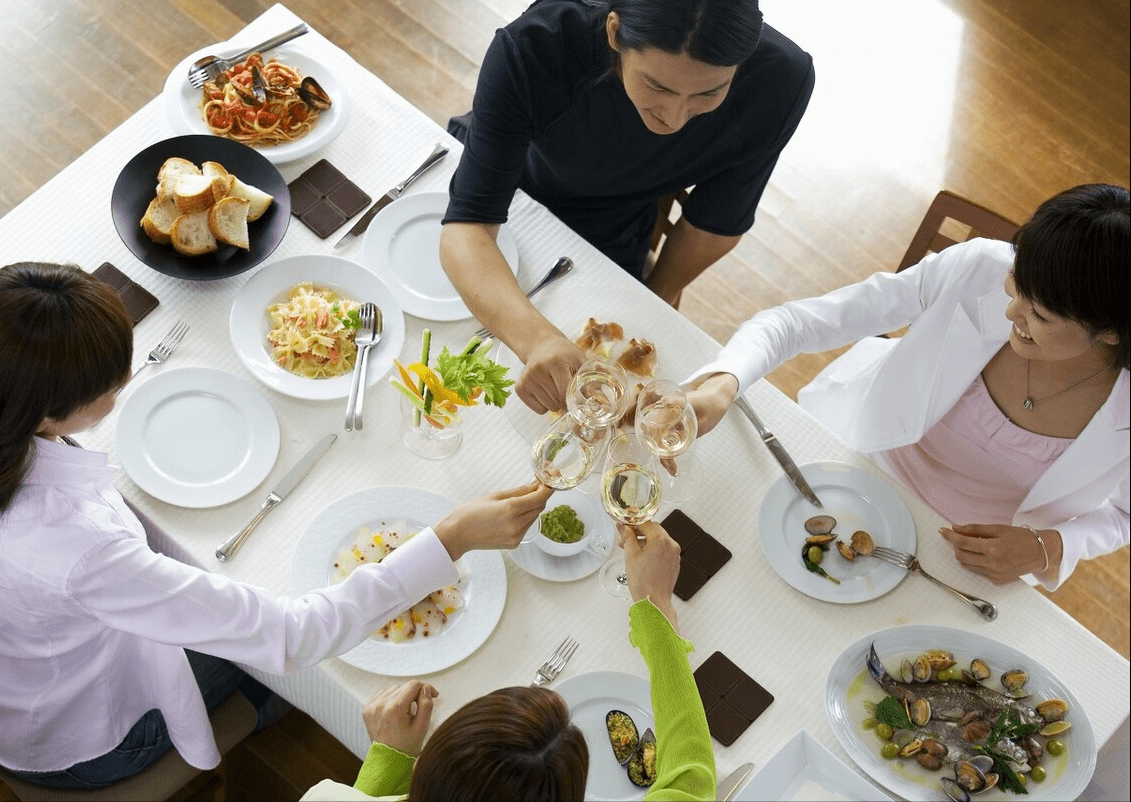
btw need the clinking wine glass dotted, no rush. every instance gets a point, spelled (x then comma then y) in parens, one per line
(598, 393)
(666, 424)
(630, 492)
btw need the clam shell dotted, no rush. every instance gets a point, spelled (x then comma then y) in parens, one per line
(1055, 728)
(820, 524)
(1052, 709)
(1014, 679)
(845, 550)
(862, 542)
(978, 669)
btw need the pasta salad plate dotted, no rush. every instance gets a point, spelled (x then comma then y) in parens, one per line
(849, 686)
(481, 591)
(250, 323)
(183, 102)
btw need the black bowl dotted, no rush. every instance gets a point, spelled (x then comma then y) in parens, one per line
(136, 186)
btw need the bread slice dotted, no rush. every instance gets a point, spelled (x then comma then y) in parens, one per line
(159, 218)
(171, 171)
(191, 236)
(194, 193)
(222, 180)
(227, 220)
(260, 200)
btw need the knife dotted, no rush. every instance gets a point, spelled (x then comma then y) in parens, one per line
(779, 452)
(732, 781)
(363, 222)
(227, 550)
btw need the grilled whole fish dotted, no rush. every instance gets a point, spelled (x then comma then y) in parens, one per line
(951, 700)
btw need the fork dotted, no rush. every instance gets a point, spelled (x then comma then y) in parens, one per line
(163, 349)
(548, 671)
(911, 563)
(208, 68)
(560, 268)
(372, 324)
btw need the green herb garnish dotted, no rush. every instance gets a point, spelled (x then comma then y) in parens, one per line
(812, 566)
(464, 372)
(1007, 727)
(350, 320)
(890, 711)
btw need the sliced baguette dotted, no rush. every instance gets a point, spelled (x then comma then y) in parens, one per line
(227, 220)
(260, 200)
(222, 180)
(194, 193)
(159, 219)
(191, 235)
(171, 171)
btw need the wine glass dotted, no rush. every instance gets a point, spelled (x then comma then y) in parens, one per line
(630, 492)
(666, 424)
(564, 454)
(598, 393)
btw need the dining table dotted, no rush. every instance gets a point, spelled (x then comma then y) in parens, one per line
(785, 639)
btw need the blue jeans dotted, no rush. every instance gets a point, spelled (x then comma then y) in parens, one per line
(148, 739)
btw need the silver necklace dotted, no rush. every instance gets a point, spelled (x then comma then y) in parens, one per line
(1029, 403)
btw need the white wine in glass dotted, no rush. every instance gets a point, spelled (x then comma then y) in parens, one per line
(563, 455)
(666, 424)
(630, 492)
(598, 393)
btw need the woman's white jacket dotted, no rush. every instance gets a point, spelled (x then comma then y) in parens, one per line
(887, 392)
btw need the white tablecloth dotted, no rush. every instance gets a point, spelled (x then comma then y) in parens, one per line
(784, 639)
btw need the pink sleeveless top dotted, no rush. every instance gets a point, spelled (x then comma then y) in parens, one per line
(974, 465)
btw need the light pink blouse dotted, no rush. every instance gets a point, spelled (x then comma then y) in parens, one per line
(974, 465)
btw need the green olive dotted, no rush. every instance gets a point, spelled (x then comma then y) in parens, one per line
(884, 731)
(947, 674)
(1055, 747)
(816, 554)
(889, 750)
(869, 723)
(1038, 774)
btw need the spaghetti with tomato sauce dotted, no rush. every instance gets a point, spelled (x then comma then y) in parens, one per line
(231, 109)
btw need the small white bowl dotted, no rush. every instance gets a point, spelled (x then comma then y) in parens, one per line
(589, 512)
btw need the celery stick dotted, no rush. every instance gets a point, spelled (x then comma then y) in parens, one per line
(422, 388)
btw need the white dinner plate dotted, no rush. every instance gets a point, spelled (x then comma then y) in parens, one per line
(857, 499)
(804, 769)
(590, 696)
(530, 558)
(197, 437)
(484, 583)
(182, 100)
(849, 685)
(402, 246)
(249, 322)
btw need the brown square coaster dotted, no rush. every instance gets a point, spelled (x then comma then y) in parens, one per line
(323, 198)
(731, 697)
(701, 556)
(138, 301)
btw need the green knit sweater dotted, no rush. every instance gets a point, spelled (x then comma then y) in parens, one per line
(685, 762)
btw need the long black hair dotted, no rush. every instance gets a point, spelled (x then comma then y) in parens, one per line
(65, 340)
(1072, 259)
(723, 33)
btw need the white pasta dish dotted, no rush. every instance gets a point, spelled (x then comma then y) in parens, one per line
(312, 332)
(424, 619)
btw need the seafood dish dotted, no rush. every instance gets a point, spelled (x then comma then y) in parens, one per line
(424, 619)
(637, 753)
(820, 540)
(953, 721)
(262, 103)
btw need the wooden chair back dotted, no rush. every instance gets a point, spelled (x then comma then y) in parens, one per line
(952, 219)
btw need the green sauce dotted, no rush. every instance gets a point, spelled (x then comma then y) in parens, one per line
(562, 525)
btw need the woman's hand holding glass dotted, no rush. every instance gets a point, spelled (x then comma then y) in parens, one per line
(630, 491)
(666, 424)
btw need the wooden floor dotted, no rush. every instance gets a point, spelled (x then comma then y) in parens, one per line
(1004, 102)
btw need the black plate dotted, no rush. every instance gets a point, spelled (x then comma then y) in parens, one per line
(136, 186)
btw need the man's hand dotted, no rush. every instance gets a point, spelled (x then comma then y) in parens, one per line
(494, 521)
(399, 716)
(547, 371)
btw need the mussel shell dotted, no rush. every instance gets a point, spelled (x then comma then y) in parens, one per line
(979, 670)
(642, 764)
(820, 524)
(1014, 679)
(623, 735)
(1052, 709)
(1055, 728)
(845, 550)
(820, 540)
(940, 659)
(256, 93)
(919, 711)
(953, 790)
(862, 542)
(315, 96)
